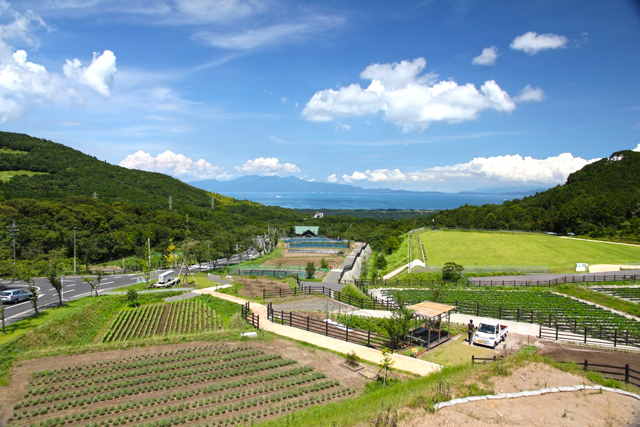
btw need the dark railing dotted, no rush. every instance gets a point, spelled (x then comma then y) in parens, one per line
(307, 323)
(249, 316)
(266, 272)
(471, 282)
(621, 373)
(475, 360)
(595, 336)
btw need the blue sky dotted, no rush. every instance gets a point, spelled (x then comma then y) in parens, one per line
(433, 95)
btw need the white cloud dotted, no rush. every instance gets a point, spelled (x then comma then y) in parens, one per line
(98, 75)
(502, 169)
(407, 98)
(487, 57)
(343, 126)
(637, 148)
(22, 26)
(177, 165)
(530, 94)
(532, 42)
(267, 166)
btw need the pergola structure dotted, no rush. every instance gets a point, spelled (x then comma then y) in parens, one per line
(431, 316)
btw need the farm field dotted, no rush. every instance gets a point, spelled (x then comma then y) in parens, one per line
(181, 317)
(495, 248)
(542, 307)
(195, 384)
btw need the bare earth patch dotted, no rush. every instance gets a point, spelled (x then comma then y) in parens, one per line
(584, 408)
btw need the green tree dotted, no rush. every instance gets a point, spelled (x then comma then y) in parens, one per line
(310, 269)
(399, 324)
(381, 261)
(324, 264)
(27, 274)
(94, 282)
(132, 298)
(452, 271)
(54, 277)
(392, 243)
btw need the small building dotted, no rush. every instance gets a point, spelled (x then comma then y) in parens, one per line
(319, 215)
(306, 231)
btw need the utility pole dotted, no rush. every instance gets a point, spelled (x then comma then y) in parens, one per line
(14, 232)
(170, 203)
(149, 245)
(213, 202)
(75, 270)
(94, 195)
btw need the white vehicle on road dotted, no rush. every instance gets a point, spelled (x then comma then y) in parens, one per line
(490, 334)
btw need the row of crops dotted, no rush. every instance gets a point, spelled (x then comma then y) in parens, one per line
(631, 294)
(162, 319)
(213, 385)
(542, 307)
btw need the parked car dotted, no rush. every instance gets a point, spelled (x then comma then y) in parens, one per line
(14, 296)
(490, 334)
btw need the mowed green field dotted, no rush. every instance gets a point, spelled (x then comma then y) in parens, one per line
(487, 248)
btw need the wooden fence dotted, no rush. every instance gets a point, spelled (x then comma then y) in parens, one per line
(594, 336)
(249, 316)
(475, 360)
(370, 303)
(620, 373)
(356, 336)
(488, 282)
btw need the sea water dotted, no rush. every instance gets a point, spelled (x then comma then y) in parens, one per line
(423, 201)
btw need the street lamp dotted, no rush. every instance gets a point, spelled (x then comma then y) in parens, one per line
(75, 271)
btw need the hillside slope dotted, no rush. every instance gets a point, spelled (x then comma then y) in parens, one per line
(600, 200)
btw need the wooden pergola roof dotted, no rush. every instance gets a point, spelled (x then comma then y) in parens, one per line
(431, 309)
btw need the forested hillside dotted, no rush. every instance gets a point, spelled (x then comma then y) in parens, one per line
(601, 200)
(131, 206)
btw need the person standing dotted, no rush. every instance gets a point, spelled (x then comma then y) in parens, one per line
(471, 327)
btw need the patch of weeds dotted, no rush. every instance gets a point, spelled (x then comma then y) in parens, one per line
(441, 394)
(476, 390)
(352, 359)
(385, 418)
(500, 368)
(528, 350)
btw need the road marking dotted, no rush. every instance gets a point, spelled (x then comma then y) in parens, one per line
(106, 283)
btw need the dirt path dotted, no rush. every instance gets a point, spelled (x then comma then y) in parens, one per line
(403, 363)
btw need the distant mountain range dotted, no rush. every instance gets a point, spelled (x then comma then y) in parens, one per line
(290, 184)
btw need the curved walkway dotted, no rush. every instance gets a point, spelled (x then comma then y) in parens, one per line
(403, 363)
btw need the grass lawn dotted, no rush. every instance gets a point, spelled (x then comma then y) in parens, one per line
(489, 248)
(7, 175)
(456, 352)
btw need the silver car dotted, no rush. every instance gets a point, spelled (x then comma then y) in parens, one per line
(14, 296)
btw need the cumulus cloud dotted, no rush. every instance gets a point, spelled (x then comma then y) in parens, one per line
(267, 166)
(98, 75)
(532, 42)
(25, 84)
(502, 169)
(408, 98)
(177, 165)
(637, 148)
(487, 57)
(530, 94)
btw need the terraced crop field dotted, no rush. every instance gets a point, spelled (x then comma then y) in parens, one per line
(181, 317)
(209, 385)
(542, 307)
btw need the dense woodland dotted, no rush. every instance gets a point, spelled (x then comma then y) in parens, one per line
(132, 206)
(601, 200)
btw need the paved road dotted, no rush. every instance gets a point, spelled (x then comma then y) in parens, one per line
(73, 287)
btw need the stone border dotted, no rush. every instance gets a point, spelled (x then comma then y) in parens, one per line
(454, 402)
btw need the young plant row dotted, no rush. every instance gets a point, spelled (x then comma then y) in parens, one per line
(213, 414)
(182, 317)
(136, 363)
(291, 377)
(173, 379)
(99, 383)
